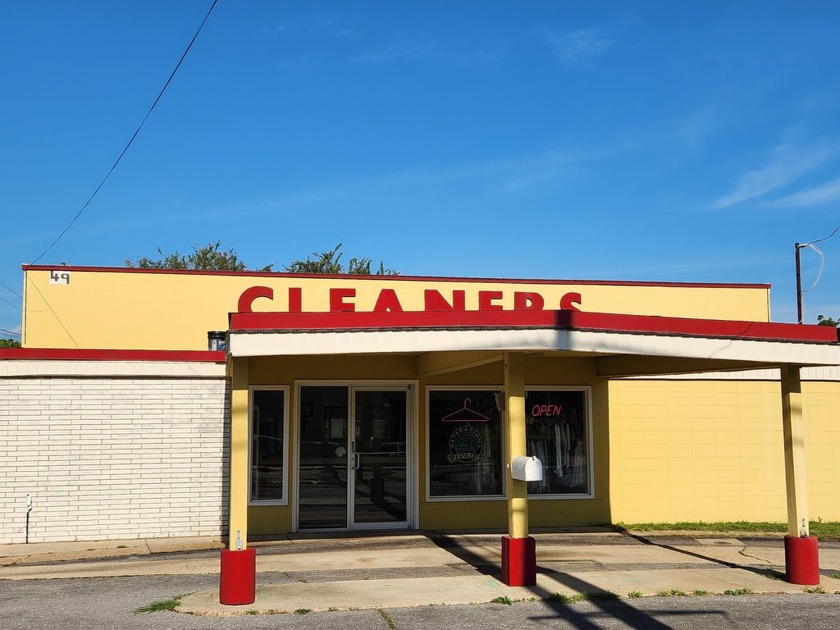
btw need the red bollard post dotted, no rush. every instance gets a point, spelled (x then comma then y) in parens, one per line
(519, 561)
(238, 577)
(802, 560)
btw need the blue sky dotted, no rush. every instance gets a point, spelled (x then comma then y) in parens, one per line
(668, 141)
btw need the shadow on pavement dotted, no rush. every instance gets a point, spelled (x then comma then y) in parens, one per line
(632, 617)
(768, 572)
(613, 607)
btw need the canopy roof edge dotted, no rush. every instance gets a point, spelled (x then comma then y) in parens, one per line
(722, 344)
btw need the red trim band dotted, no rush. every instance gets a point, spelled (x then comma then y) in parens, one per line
(73, 354)
(570, 320)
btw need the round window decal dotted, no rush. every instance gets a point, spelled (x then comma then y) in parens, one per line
(465, 445)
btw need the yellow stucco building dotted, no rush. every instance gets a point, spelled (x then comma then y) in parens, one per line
(389, 402)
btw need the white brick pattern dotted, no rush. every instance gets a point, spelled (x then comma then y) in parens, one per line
(109, 458)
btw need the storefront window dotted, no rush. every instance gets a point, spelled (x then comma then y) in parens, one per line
(464, 444)
(556, 432)
(268, 429)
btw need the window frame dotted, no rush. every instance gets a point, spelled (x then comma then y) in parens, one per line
(450, 498)
(590, 446)
(284, 498)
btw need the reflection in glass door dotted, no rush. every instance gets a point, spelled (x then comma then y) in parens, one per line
(322, 459)
(380, 460)
(352, 467)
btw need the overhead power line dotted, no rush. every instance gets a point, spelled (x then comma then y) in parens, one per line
(11, 303)
(137, 131)
(3, 284)
(9, 332)
(820, 240)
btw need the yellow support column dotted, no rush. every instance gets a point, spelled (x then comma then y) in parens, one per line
(794, 439)
(237, 583)
(238, 517)
(517, 491)
(801, 552)
(518, 548)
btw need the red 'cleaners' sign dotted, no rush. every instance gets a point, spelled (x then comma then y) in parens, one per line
(342, 300)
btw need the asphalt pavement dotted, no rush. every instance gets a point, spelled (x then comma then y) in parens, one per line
(389, 572)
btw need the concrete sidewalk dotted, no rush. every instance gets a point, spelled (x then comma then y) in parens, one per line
(415, 569)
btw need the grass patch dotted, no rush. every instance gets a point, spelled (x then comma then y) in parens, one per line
(821, 529)
(303, 611)
(158, 606)
(815, 589)
(501, 600)
(634, 594)
(674, 592)
(700, 593)
(738, 591)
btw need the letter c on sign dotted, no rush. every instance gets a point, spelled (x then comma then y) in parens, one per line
(246, 300)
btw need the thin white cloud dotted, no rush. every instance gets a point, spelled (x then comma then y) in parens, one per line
(430, 48)
(505, 177)
(785, 164)
(579, 47)
(705, 121)
(818, 196)
(518, 176)
(324, 26)
(282, 28)
(424, 47)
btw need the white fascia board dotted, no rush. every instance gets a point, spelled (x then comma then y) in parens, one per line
(815, 373)
(391, 341)
(757, 350)
(413, 341)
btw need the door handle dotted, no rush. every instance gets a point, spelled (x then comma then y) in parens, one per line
(356, 463)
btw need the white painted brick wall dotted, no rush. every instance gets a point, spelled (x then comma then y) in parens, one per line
(107, 458)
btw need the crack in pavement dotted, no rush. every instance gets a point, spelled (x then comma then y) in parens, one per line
(743, 552)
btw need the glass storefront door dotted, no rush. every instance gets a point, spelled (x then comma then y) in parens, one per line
(353, 457)
(322, 458)
(380, 466)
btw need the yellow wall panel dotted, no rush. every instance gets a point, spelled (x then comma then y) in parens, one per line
(463, 515)
(822, 447)
(153, 309)
(265, 520)
(724, 445)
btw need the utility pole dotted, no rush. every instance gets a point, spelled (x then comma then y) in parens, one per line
(799, 307)
(797, 246)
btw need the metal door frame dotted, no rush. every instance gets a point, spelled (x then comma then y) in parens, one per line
(353, 465)
(411, 389)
